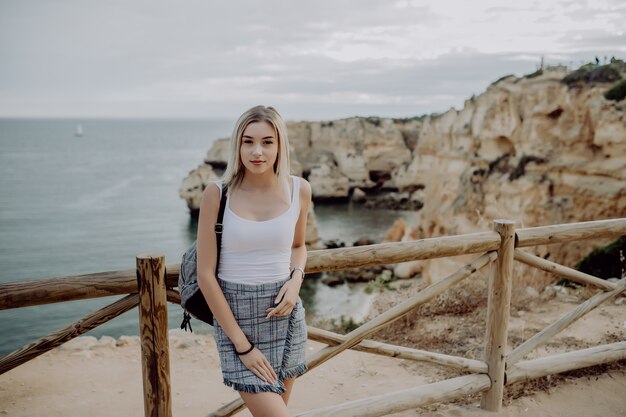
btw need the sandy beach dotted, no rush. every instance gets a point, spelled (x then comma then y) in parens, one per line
(102, 377)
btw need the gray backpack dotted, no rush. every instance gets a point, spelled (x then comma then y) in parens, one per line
(191, 298)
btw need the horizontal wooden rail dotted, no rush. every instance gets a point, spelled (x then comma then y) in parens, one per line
(561, 270)
(173, 296)
(354, 337)
(569, 232)
(394, 402)
(76, 287)
(394, 351)
(61, 336)
(388, 253)
(79, 287)
(562, 323)
(555, 364)
(103, 284)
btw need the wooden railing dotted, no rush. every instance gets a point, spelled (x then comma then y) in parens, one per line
(151, 285)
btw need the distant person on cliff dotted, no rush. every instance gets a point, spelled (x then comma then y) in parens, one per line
(260, 330)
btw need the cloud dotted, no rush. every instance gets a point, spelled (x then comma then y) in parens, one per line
(319, 58)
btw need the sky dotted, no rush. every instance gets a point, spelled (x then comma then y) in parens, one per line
(311, 60)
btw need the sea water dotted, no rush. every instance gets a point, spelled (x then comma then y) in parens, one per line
(77, 204)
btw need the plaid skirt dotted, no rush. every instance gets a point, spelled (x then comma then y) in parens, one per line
(281, 339)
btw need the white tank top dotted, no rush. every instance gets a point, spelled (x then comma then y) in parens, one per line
(258, 252)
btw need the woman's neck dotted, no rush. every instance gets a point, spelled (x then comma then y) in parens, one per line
(264, 181)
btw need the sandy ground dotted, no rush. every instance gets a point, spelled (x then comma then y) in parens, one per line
(97, 378)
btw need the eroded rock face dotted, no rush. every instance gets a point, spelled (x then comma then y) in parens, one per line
(533, 145)
(327, 182)
(338, 156)
(529, 150)
(217, 156)
(360, 152)
(194, 184)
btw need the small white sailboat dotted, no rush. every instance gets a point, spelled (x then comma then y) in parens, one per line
(79, 131)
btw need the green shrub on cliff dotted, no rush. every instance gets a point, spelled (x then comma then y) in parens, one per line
(502, 79)
(534, 74)
(617, 92)
(591, 73)
(605, 262)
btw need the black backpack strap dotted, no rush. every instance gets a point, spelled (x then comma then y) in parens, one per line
(219, 227)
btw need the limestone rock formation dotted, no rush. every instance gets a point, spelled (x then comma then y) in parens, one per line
(194, 184)
(338, 156)
(217, 156)
(534, 150)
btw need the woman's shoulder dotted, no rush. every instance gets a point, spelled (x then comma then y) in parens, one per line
(212, 192)
(305, 187)
(213, 186)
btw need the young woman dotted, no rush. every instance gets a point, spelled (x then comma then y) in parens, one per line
(260, 330)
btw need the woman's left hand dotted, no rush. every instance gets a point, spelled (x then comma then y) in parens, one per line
(286, 299)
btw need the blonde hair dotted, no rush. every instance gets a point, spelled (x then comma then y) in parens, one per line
(233, 175)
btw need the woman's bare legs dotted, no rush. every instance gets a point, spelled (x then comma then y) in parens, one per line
(288, 387)
(265, 404)
(269, 404)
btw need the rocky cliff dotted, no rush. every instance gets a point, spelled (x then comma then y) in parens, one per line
(537, 150)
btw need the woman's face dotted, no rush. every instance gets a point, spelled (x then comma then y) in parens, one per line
(259, 148)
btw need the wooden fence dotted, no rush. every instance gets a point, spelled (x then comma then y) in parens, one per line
(151, 285)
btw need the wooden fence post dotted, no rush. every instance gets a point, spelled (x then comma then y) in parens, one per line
(155, 358)
(498, 310)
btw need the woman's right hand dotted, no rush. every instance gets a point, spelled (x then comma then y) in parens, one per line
(258, 364)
